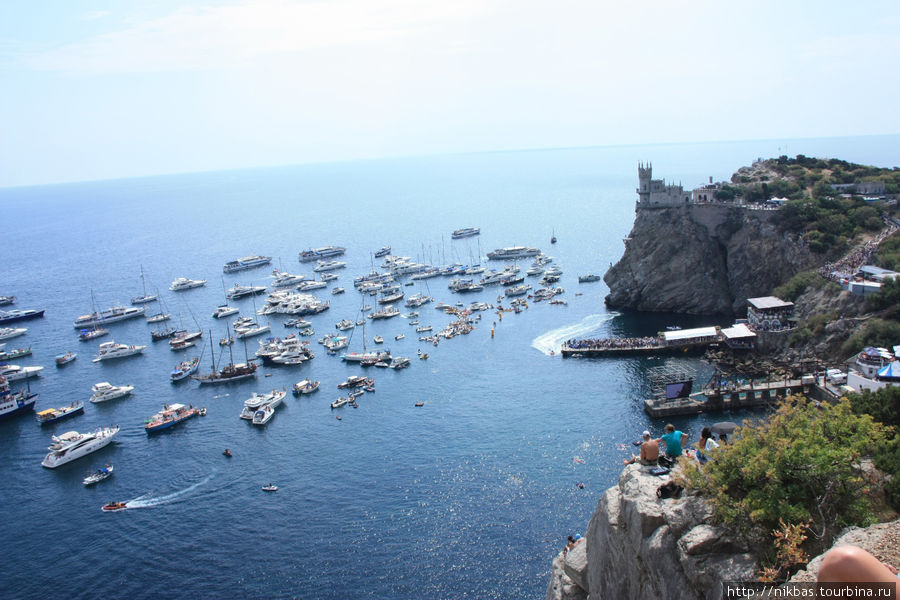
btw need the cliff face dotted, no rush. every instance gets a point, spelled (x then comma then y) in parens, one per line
(639, 546)
(700, 259)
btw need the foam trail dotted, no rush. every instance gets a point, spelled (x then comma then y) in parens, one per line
(551, 340)
(168, 498)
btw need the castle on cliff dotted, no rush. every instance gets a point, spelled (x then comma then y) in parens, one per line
(655, 192)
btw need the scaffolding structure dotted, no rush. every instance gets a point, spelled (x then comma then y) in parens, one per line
(660, 377)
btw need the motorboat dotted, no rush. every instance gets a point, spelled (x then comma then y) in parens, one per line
(464, 285)
(417, 300)
(51, 415)
(298, 323)
(465, 232)
(263, 415)
(247, 262)
(366, 356)
(223, 310)
(308, 285)
(16, 373)
(534, 270)
(337, 290)
(110, 315)
(91, 333)
(14, 354)
(4, 300)
(98, 475)
(328, 276)
(385, 313)
(513, 252)
(390, 296)
(270, 488)
(12, 403)
(378, 339)
(336, 343)
(159, 317)
(242, 291)
(11, 332)
(8, 316)
(251, 331)
(423, 328)
(319, 253)
(399, 336)
(341, 401)
(518, 290)
(170, 415)
(183, 283)
(329, 265)
(111, 350)
(104, 391)
(588, 278)
(185, 369)
(383, 251)
(73, 445)
(345, 325)
(284, 279)
(305, 387)
(114, 506)
(399, 362)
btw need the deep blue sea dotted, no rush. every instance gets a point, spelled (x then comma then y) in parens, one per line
(469, 496)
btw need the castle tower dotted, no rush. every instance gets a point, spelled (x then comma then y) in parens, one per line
(644, 176)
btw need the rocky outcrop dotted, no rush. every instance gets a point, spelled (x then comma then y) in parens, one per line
(639, 546)
(882, 540)
(701, 259)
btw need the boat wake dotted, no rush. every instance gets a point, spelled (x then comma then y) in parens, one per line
(147, 501)
(550, 341)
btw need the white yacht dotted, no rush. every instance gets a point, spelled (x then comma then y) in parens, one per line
(263, 415)
(344, 325)
(15, 372)
(317, 253)
(110, 350)
(110, 315)
(399, 362)
(305, 286)
(73, 445)
(251, 331)
(283, 279)
(385, 313)
(328, 265)
(513, 252)
(183, 283)
(224, 310)
(305, 387)
(240, 291)
(104, 391)
(11, 332)
(247, 262)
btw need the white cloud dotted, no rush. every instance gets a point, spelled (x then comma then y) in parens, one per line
(215, 37)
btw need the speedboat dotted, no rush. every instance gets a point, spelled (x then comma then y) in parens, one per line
(224, 310)
(183, 283)
(247, 262)
(50, 415)
(15, 372)
(305, 387)
(8, 316)
(110, 350)
(270, 488)
(64, 359)
(11, 332)
(73, 445)
(263, 415)
(110, 315)
(170, 415)
(185, 369)
(98, 475)
(104, 391)
(114, 506)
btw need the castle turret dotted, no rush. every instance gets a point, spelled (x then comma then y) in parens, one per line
(644, 176)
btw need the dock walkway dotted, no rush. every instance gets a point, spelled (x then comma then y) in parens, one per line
(751, 395)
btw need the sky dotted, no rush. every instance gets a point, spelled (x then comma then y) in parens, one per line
(108, 89)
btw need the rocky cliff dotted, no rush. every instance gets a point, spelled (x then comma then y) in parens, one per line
(703, 258)
(639, 546)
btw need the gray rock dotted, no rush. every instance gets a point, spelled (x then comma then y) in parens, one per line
(575, 565)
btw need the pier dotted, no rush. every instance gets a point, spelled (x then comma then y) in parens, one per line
(680, 341)
(730, 397)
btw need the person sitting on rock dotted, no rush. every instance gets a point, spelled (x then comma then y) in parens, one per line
(673, 440)
(649, 452)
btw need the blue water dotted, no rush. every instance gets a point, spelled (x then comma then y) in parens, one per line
(469, 496)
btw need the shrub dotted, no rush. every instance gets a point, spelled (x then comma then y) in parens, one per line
(798, 284)
(876, 332)
(798, 466)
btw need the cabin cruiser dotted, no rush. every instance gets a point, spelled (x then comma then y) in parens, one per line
(399, 336)
(110, 315)
(305, 387)
(427, 273)
(341, 401)
(378, 339)
(185, 369)
(8, 316)
(73, 445)
(383, 251)
(11, 332)
(327, 276)
(513, 252)
(399, 362)
(336, 343)
(248, 262)
(241, 291)
(465, 232)
(518, 290)
(308, 285)
(474, 270)
(92, 333)
(110, 350)
(283, 279)
(183, 283)
(51, 415)
(344, 325)
(464, 285)
(588, 278)
(328, 265)
(15, 372)
(251, 330)
(390, 296)
(224, 310)
(417, 300)
(385, 313)
(318, 253)
(104, 391)
(170, 415)
(20, 352)
(337, 290)
(4, 300)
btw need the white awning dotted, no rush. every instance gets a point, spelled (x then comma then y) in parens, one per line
(688, 334)
(766, 302)
(737, 331)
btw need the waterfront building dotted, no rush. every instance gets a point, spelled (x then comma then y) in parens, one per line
(769, 313)
(656, 192)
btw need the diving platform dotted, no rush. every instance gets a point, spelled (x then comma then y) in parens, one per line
(730, 397)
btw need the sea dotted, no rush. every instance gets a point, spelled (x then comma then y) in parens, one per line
(469, 496)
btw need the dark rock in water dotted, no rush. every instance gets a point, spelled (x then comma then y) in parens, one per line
(701, 259)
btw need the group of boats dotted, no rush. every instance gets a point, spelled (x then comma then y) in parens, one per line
(260, 408)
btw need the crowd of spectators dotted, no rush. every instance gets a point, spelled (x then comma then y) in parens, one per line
(613, 343)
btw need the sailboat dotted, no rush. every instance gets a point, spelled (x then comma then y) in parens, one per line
(364, 356)
(253, 328)
(553, 237)
(230, 372)
(162, 331)
(145, 298)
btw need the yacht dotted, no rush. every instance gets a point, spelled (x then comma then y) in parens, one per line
(224, 310)
(15, 372)
(375, 355)
(110, 350)
(518, 290)
(588, 278)
(263, 415)
(399, 362)
(464, 285)
(241, 291)
(248, 262)
(328, 265)
(251, 330)
(417, 300)
(92, 333)
(390, 296)
(110, 315)
(399, 336)
(308, 285)
(385, 313)
(383, 251)
(378, 339)
(337, 290)
(185, 369)
(344, 325)
(104, 391)
(513, 252)
(328, 276)
(465, 232)
(73, 445)
(183, 283)
(4, 300)
(474, 270)
(11, 332)
(336, 343)
(12, 403)
(318, 253)
(170, 415)
(305, 387)
(51, 415)
(17, 353)
(283, 279)
(8, 316)
(534, 270)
